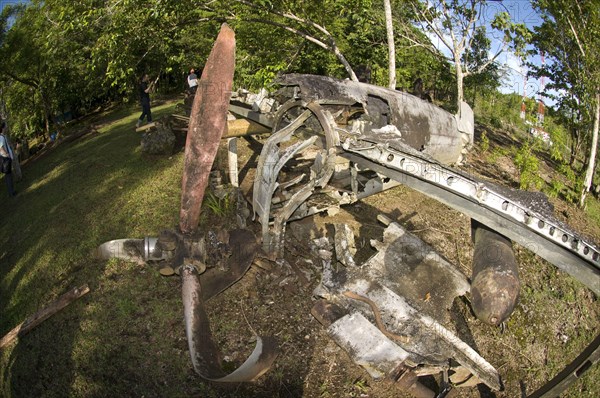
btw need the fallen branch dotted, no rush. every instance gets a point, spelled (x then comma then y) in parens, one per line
(43, 314)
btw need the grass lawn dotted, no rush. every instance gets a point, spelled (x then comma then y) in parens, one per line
(79, 195)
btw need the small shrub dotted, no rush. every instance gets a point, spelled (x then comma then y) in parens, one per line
(555, 189)
(485, 142)
(556, 153)
(568, 172)
(497, 153)
(495, 121)
(528, 165)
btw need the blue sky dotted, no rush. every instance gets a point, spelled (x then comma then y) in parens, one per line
(4, 3)
(521, 12)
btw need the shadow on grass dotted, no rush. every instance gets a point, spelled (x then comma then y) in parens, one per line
(82, 194)
(126, 337)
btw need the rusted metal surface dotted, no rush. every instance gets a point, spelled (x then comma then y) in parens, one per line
(200, 284)
(321, 113)
(419, 124)
(207, 124)
(191, 256)
(407, 264)
(380, 357)
(273, 157)
(353, 140)
(495, 282)
(404, 290)
(196, 289)
(505, 210)
(430, 343)
(206, 263)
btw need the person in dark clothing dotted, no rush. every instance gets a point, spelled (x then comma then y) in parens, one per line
(145, 89)
(419, 91)
(6, 157)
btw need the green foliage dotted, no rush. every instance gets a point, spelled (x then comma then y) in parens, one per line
(497, 153)
(60, 56)
(483, 78)
(555, 189)
(220, 206)
(528, 165)
(559, 137)
(568, 172)
(460, 28)
(569, 35)
(499, 110)
(485, 142)
(266, 75)
(572, 190)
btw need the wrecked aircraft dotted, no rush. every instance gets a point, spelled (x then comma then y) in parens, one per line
(334, 142)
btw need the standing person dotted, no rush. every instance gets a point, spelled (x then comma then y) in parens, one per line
(6, 157)
(145, 89)
(192, 80)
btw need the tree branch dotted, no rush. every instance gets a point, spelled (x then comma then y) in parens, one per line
(487, 63)
(28, 82)
(431, 25)
(576, 36)
(329, 47)
(415, 43)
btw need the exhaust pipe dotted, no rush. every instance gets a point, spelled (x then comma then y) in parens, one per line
(132, 250)
(495, 281)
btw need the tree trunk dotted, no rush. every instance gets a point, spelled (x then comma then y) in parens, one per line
(391, 45)
(573, 154)
(459, 84)
(589, 174)
(47, 112)
(346, 64)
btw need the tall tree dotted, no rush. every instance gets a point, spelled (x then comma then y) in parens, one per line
(455, 23)
(570, 37)
(391, 44)
(489, 78)
(286, 18)
(25, 62)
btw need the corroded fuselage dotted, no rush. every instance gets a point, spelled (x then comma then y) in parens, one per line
(419, 124)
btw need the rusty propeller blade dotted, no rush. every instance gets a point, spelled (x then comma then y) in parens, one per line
(208, 121)
(204, 352)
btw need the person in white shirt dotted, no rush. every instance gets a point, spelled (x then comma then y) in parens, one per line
(6, 157)
(192, 80)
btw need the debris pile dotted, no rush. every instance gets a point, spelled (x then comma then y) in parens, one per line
(158, 140)
(392, 310)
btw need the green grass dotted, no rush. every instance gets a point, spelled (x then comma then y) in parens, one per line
(79, 195)
(593, 209)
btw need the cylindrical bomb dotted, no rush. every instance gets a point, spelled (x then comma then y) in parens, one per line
(495, 281)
